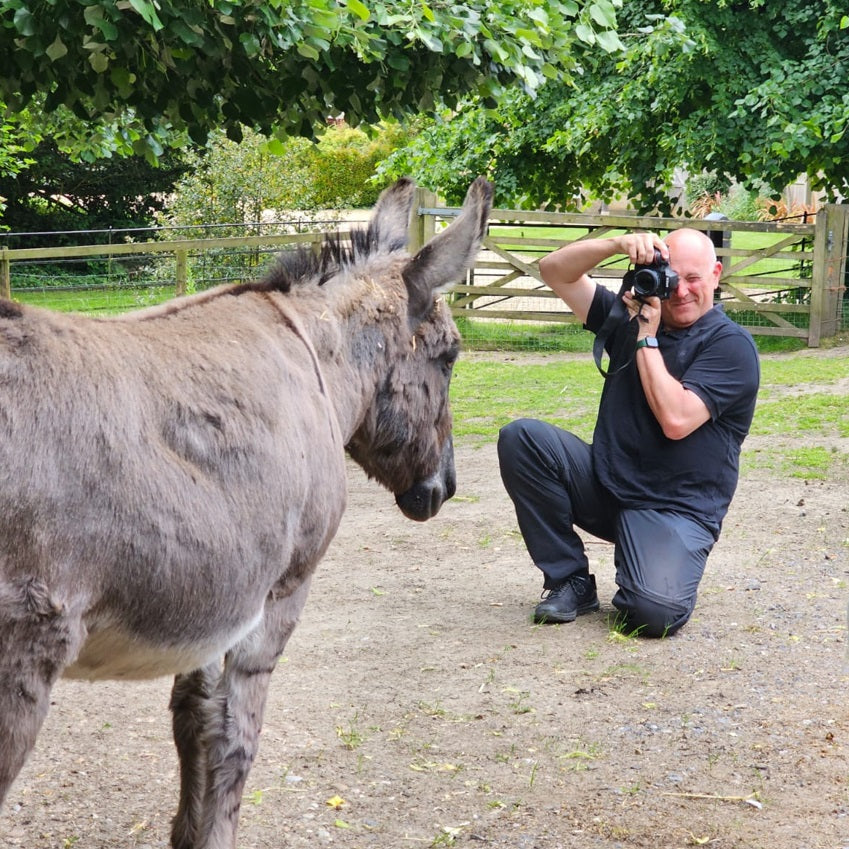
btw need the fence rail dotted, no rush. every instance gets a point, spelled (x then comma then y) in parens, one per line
(786, 279)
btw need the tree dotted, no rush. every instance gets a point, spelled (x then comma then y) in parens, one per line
(754, 91)
(162, 66)
(58, 193)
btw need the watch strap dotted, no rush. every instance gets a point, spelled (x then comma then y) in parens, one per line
(647, 342)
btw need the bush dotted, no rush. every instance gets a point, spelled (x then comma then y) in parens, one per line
(344, 164)
(239, 182)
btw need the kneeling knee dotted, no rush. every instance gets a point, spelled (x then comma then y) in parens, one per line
(650, 618)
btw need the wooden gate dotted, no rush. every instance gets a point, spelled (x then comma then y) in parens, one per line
(788, 279)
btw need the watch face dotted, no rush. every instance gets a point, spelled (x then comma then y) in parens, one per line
(651, 342)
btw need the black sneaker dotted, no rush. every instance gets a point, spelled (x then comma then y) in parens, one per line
(565, 602)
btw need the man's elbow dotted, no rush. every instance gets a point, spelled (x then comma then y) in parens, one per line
(545, 269)
(679, 421)
(679, 427)
(676, 430)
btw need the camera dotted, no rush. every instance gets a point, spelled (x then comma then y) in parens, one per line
(657, 280)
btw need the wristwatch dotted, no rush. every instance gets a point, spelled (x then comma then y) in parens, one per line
(647, 342)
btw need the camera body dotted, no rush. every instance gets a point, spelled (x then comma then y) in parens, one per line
(657, 280)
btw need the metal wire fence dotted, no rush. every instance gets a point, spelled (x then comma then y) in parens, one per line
(780, 279)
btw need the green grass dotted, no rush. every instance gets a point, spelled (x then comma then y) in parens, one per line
(94, 301)
(487, 395)
(801, 372)
(483, 335)
(799, 403)
(811, 463)
(814, 413)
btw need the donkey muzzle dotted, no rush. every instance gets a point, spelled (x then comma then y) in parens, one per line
(424, 498)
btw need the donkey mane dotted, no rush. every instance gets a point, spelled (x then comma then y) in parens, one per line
(301, 265)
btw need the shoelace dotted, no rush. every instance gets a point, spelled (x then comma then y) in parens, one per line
(575, 582)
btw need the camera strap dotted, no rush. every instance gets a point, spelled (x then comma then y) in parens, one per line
(617, 316)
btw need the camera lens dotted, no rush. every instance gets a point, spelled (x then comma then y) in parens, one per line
(646, 282)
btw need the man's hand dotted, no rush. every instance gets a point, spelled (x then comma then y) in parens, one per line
(647, 313)
(640, 247)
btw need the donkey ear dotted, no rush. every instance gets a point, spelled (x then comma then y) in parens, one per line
(447, 256)
(389, 227)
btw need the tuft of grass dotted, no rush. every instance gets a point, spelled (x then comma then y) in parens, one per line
(351, 736)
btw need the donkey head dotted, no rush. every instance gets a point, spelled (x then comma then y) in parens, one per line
(405, 440)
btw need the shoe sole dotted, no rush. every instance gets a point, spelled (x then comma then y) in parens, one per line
(562, 618)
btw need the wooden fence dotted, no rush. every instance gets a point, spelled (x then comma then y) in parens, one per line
(790, 283)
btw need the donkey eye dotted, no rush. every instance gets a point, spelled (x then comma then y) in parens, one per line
(447, 360)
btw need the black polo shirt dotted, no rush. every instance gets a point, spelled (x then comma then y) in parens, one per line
(643, 469)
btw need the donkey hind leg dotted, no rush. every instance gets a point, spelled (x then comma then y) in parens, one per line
(38, 639)
(234, 717)
(189, 707)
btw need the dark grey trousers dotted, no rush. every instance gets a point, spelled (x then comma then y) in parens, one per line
(659, 555)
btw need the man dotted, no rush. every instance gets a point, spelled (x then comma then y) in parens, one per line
(661, 471)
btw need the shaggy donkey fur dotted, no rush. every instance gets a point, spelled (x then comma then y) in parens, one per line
(169, 480)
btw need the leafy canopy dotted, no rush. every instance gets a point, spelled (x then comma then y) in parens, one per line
(753, 90)
(143, 68)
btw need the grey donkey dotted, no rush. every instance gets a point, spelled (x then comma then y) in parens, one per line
(170, 478)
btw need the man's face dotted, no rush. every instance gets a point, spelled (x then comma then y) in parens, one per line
(698, 277)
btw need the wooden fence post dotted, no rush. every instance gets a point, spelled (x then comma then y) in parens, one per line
(423, 224)
(827, 281)
(181, 259)
(5, 275)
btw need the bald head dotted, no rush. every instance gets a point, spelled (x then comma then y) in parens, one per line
(693, 256)
(693, 241)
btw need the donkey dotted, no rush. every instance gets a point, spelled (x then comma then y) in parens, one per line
(170, 478)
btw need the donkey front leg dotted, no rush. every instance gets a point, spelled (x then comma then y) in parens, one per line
(234, 717)
(38, 639)
(190, 699)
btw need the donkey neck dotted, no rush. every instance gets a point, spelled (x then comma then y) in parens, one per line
(350, 355)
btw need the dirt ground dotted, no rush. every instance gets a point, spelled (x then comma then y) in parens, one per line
(417, 706)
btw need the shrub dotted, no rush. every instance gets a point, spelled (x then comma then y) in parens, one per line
(239, 182)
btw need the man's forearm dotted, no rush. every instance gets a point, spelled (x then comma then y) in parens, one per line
(678, 410)
(571, 262)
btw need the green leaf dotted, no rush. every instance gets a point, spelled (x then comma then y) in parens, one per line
(99, 61)
(276, 147)
(308, 51)
(147, 10)
(609, 41)
(399, 62)
(56, 50)
(94, 17)
(603, 13)
(122, 79)
(431, 42)
(585, 33)
(251, 43)
(358, 8)
(24, 22)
